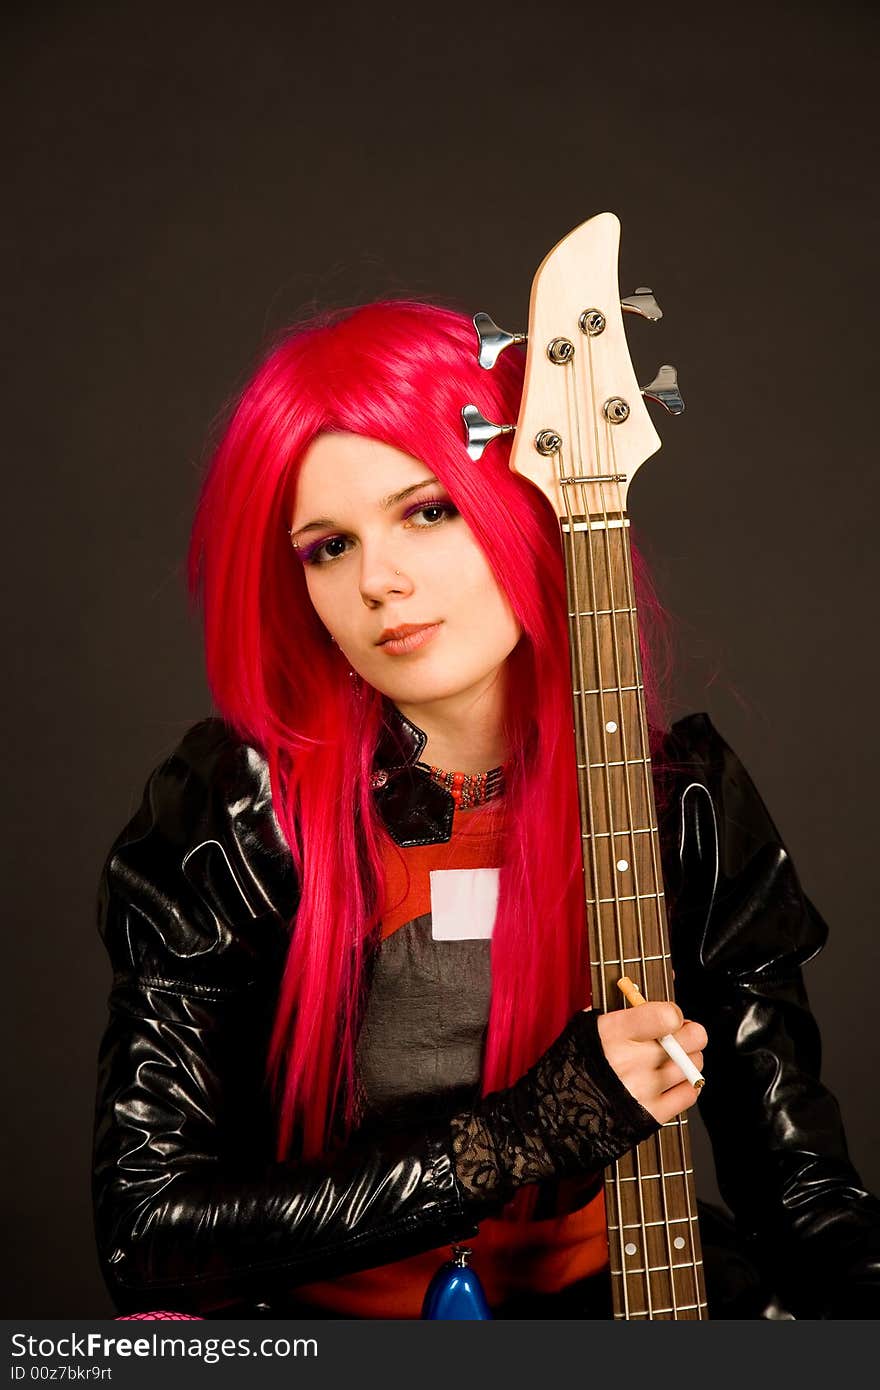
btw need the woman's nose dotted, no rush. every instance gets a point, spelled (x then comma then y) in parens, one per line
(381, 577)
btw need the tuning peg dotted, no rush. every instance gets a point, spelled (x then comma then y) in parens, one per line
(493, 340)
(664, 390)
(479, 431)
(643, 303)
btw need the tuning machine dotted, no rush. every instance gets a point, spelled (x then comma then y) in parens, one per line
(643, 303)
(664, 390)
(479, 431)
(493, 340)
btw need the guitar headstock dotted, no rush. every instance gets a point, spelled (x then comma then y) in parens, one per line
(583, 427)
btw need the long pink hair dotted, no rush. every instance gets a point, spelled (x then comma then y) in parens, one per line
(398, 372)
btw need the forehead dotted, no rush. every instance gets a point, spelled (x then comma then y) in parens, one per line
(340, 468)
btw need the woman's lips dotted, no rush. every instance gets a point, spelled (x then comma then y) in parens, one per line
(399, 646)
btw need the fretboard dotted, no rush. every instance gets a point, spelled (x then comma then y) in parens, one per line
(655, 1253)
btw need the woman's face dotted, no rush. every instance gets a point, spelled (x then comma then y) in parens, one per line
(383, 547)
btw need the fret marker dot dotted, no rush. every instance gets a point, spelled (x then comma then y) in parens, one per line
(622, 865)
(630, 1248)
(679, 1242)
(611, 727)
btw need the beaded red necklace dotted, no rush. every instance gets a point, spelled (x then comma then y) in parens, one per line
(469, 788)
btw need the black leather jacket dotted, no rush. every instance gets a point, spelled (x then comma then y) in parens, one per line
(193, 1213)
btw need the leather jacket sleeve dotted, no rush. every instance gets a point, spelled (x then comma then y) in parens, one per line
(196, 895)
(185, 1216)
(741, 928)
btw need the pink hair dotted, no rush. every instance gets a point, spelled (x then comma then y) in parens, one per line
(397, 372)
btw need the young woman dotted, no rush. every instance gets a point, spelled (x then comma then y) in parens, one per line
(330, 1051)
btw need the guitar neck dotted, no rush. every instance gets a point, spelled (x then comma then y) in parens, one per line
(581, 434)
(656, 1259)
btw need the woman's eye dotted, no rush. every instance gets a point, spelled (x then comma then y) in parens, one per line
(323, 552)
(436, 512)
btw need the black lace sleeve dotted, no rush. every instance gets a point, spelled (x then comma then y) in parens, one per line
(570, 1113)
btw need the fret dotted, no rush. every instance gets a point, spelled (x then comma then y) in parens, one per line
(631, 960)
(596, 585)
(643, 1177)
(613, 525)
(628, 788)
(628, 898)
(658, 1269)
(598, 612)
(662, 1150)
(604, 834)
(653, 979)
(660, 1312)
(608, 690)
(619, 762)
(671, 1221)
(618, 870)
(602, 647)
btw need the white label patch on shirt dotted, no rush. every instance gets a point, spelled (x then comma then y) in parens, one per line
(463, 903)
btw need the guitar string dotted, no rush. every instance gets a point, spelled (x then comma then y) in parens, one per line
(648, 788)
(589, 386)
(608, 465)
(656, 872)
(593, 608)
(570, 542)
(645, 747)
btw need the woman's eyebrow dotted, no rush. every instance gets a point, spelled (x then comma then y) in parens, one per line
(385, 503)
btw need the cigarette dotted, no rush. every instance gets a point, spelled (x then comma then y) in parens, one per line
(672, 1048)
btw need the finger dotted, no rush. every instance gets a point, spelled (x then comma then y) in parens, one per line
(673, 1102)
(670, 1073)
(692, 1037)
(652, 1020)
(655, 1054)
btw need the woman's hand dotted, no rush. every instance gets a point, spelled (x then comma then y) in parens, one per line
(629, 1041)
(572, 1111)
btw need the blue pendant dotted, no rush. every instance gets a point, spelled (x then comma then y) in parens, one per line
(455, 1294)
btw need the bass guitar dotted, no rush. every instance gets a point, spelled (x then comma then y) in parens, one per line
(583, 431)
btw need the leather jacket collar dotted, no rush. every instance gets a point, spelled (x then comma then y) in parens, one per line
(400, 742)
(416, 811)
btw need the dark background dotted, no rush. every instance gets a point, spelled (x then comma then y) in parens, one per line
(182, 182)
